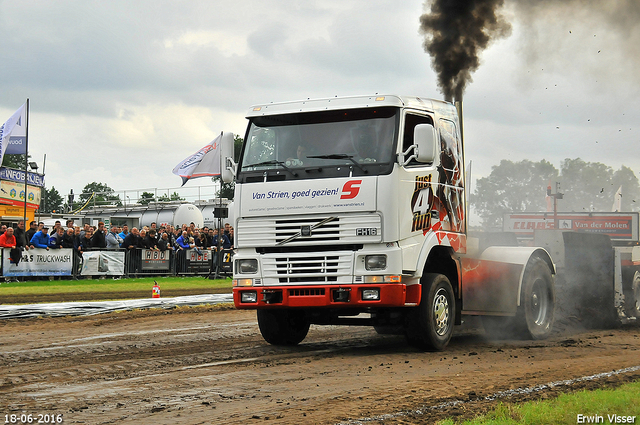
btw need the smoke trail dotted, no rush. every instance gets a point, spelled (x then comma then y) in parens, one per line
(456, 31)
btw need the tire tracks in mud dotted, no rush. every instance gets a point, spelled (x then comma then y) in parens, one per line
(215, 367)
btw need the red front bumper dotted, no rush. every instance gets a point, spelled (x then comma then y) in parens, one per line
(391, 295)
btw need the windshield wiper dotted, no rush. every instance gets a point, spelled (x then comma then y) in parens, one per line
(273, 162)
(340, 156)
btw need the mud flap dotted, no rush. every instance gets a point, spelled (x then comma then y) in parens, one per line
(586, 289)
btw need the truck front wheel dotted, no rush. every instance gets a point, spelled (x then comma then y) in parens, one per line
(430, 325)
(283, 327)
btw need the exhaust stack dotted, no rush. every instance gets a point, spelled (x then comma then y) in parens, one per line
(467, 177)
(458, 105)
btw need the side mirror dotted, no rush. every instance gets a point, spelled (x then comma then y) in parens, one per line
(424, 138)
(227, 164)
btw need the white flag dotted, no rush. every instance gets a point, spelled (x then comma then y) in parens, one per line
(13, 126)
(617, 201)
(204, 163)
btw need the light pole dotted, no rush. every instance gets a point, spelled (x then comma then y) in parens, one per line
(556, 196)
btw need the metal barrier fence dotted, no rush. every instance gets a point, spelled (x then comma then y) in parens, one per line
(118, 262)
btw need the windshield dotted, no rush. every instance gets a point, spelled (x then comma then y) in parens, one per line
(320, 144)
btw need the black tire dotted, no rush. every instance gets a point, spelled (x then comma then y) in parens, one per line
(283, 327)
(430, 325)
(537, 301)
(534, 317)
(634, 303)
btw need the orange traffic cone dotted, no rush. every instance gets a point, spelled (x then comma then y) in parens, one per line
(155, 293)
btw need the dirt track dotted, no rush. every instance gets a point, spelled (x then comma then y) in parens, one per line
(206, 365)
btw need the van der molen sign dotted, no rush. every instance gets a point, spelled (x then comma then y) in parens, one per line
(619, 226)
(18, 176)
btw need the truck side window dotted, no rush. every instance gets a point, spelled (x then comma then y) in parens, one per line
(410, 123)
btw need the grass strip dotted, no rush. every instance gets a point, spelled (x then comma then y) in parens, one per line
(109, 285)
(598, 406)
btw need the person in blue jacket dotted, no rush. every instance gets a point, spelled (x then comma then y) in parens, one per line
(40, 239)
(183, 241)
(182, 245)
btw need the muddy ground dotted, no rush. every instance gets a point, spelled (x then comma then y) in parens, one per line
(210, 365)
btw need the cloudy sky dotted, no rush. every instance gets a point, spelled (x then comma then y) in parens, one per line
(121, 91)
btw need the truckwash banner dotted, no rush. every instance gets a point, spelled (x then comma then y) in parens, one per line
(304, 196)
(102, 263)
(39, 262)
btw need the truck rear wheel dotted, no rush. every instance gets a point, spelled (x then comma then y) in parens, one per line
(537, 301)
(430, 325)
(283, 327)
(634, 303)
(534, 317)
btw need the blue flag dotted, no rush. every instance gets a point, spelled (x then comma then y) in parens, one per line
(13, 129)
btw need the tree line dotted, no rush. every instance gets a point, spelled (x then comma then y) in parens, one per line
(514, 187)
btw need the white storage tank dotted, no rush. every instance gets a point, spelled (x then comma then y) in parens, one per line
(187, 213)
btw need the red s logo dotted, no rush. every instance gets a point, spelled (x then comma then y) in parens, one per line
(349, 191)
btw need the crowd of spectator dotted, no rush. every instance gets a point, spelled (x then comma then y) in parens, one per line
(81, 239)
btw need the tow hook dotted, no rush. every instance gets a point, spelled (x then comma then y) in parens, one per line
(271, 296)
(341, 295)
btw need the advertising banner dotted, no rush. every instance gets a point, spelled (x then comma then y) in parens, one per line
(12, 193)
(102, 263)
(13, 127)
(18, 176)
(39, 262)
(226, 262)
(304, 196)
(198, 263)
(155, 260)
(619, 226)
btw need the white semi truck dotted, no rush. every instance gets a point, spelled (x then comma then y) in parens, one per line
(352, 210)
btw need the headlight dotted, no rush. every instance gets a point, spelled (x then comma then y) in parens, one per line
(247, 266)
(375, 262)
(371, 294)
(249, 297)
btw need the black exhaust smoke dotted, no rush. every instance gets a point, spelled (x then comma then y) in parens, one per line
(456, 31)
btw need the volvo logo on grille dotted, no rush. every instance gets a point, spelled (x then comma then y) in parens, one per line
(306, 230)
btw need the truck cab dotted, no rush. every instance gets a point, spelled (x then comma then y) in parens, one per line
(352, 211)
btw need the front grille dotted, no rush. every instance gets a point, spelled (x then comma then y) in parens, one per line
(323, 269)
(301, 268)
(306, 292)
(352, 229)
(327, 232)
